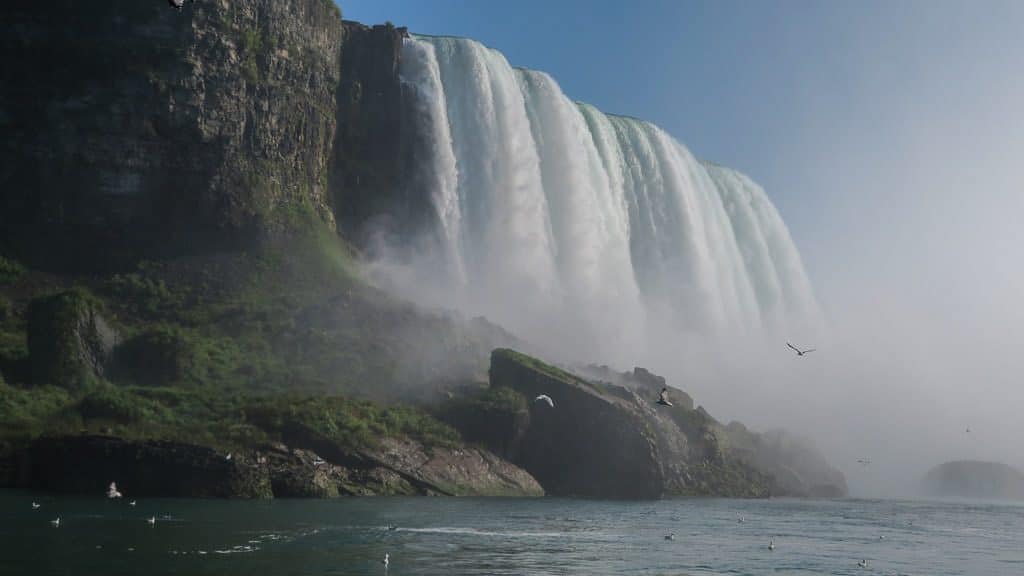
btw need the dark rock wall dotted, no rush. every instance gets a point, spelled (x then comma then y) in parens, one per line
(376, 140)
(87, 465)
(590, 444)
(131, 130)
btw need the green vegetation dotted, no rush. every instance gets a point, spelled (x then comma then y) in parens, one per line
(351, 423)
(219, 350)
(10, 270)
(539, 366)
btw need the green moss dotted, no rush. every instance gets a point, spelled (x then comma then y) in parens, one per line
(63, 329)
(103, 401)
(29, 412)
(351, 423)
(10, 270)
(535, 364)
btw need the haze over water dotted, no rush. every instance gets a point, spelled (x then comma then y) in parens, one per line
(477, 537)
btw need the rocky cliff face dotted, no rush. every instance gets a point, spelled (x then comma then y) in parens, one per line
(605, 440)
(793, 465)
(132, 130)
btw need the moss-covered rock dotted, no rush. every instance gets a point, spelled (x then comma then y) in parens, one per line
(69, 341)
(159, 356)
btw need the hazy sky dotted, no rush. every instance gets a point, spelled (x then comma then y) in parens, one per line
(891, 137)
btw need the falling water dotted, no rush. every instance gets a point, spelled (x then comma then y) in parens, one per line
(581, 229)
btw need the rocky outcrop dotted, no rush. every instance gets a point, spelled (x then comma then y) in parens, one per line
(604, 440)
(86, 464)
(68, 339)
(796, 466)
(793, 465)
(132, 130)
(975, 479)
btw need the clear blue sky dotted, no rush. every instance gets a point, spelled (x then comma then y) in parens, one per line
(889, 134)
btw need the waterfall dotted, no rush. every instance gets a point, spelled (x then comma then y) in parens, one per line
(581, 229)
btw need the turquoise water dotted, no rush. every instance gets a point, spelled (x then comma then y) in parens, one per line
(446, 536)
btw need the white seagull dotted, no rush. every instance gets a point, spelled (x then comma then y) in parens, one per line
(671, 536)
(112, 491)
(545, 398)
(56, 522)
(863, 563)
(35, 506)
(228, 457)
(386, 560)
(151, 520)
(771, 544)
(798, 351)
(132, 503)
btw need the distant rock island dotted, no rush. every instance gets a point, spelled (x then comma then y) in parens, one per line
(975, 479)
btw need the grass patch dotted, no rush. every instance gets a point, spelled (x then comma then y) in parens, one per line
(10, 270)
(352, 423)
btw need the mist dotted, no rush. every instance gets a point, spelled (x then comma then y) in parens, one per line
(898, 176)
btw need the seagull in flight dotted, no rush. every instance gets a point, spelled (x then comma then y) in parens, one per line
(798, 351)
(545, 398)
(863, 563)
(671, 536)
(132, 503)
(35, 506)
(863, 461)
(968, 431)
(112, 491)
(56, 522)
(663, 397)
(151, 520)
(386, 560)
(771, 544)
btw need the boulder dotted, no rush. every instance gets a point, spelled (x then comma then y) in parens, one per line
(69, 341)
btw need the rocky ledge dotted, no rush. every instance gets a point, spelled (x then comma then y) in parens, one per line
(605, 437)
(88, 463)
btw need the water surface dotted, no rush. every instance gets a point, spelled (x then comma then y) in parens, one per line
(447, 536)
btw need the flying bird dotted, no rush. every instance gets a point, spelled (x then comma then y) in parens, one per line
(228, 457)
(545, 398)
(132, 503)
(35, 506)
(671, 536)
(56, 522)
(178, 3)
(863, 563)
(968, 431)
(798, 351)
(663, 397)
(863, 461)
(318, 461)
(151, 520)
(386, 560)
(112, 491)
(771, 544)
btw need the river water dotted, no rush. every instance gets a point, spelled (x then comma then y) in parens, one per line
(448, 536)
